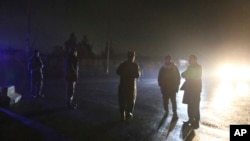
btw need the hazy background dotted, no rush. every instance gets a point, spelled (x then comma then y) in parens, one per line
(151, 28)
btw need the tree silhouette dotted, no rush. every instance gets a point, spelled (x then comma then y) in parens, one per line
(85, 49)
(71, 42)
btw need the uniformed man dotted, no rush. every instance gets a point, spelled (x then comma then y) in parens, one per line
(127, 91)
(36, 74)
(72, 67)
(169, 81)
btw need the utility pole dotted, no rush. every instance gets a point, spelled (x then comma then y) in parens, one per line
(108, 56)
(27, 40)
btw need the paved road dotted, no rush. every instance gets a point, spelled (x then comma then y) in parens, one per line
(97, 118)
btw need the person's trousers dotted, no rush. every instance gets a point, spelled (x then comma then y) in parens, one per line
(36, 86)
(70, 91)
(126, 102)
(172, 97)
(194, 110)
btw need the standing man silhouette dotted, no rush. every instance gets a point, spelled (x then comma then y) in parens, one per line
(192, 91)
(169, 81)
(36, 74)
(72, 67)
(127, 91)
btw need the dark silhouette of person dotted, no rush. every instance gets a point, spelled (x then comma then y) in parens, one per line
(192, 90)
(71, 75)
(36, 74)
(169, 81)
(127, 90)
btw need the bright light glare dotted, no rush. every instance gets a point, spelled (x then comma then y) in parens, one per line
(242, 88)
(223, 96)
(226, 92)
(234, 84)
(233, 72)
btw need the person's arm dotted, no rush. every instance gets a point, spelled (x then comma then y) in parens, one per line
(192, 72)
(184, 74)
(160, 77)
(41, 63)
(118, 70)
(178, 76)
(138, 72)
(200, 72)
(74, 65)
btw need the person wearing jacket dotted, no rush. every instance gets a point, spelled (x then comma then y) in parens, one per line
(127, 90)
(192, 91)
(71, 75)
(169, 81)
(36, 74)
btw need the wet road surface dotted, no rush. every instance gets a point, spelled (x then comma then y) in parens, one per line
(97, 117)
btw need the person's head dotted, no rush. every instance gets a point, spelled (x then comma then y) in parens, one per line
(73, 51)
(36, 53)
(168, 59)
(131, 56)
(192, 59)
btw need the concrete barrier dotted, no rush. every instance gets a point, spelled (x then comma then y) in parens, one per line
(10, 93)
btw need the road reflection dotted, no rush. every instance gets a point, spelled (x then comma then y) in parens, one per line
(228, 91)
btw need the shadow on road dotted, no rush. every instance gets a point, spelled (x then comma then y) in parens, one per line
(162, 121)
(171, 126)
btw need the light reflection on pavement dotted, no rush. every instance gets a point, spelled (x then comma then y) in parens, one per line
(225, 103)
(98, 118)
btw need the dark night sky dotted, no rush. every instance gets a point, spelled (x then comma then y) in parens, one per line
(148, 27)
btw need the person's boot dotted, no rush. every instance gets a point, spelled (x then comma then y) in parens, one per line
(72, 106)
(129, 115)
(41, 95)
(195, 125)
(123, 116)
(187, 122)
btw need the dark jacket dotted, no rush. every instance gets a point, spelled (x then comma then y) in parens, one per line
(193, 84)
(35, 67)
(72, 67)
(128, 72)
(169, 78)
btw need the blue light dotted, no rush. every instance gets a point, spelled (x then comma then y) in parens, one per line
(13, 67)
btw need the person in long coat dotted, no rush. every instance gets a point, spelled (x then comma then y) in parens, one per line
(36, 74)
(192, 91)
(169, 81)
(127, 90)
(71, 75)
